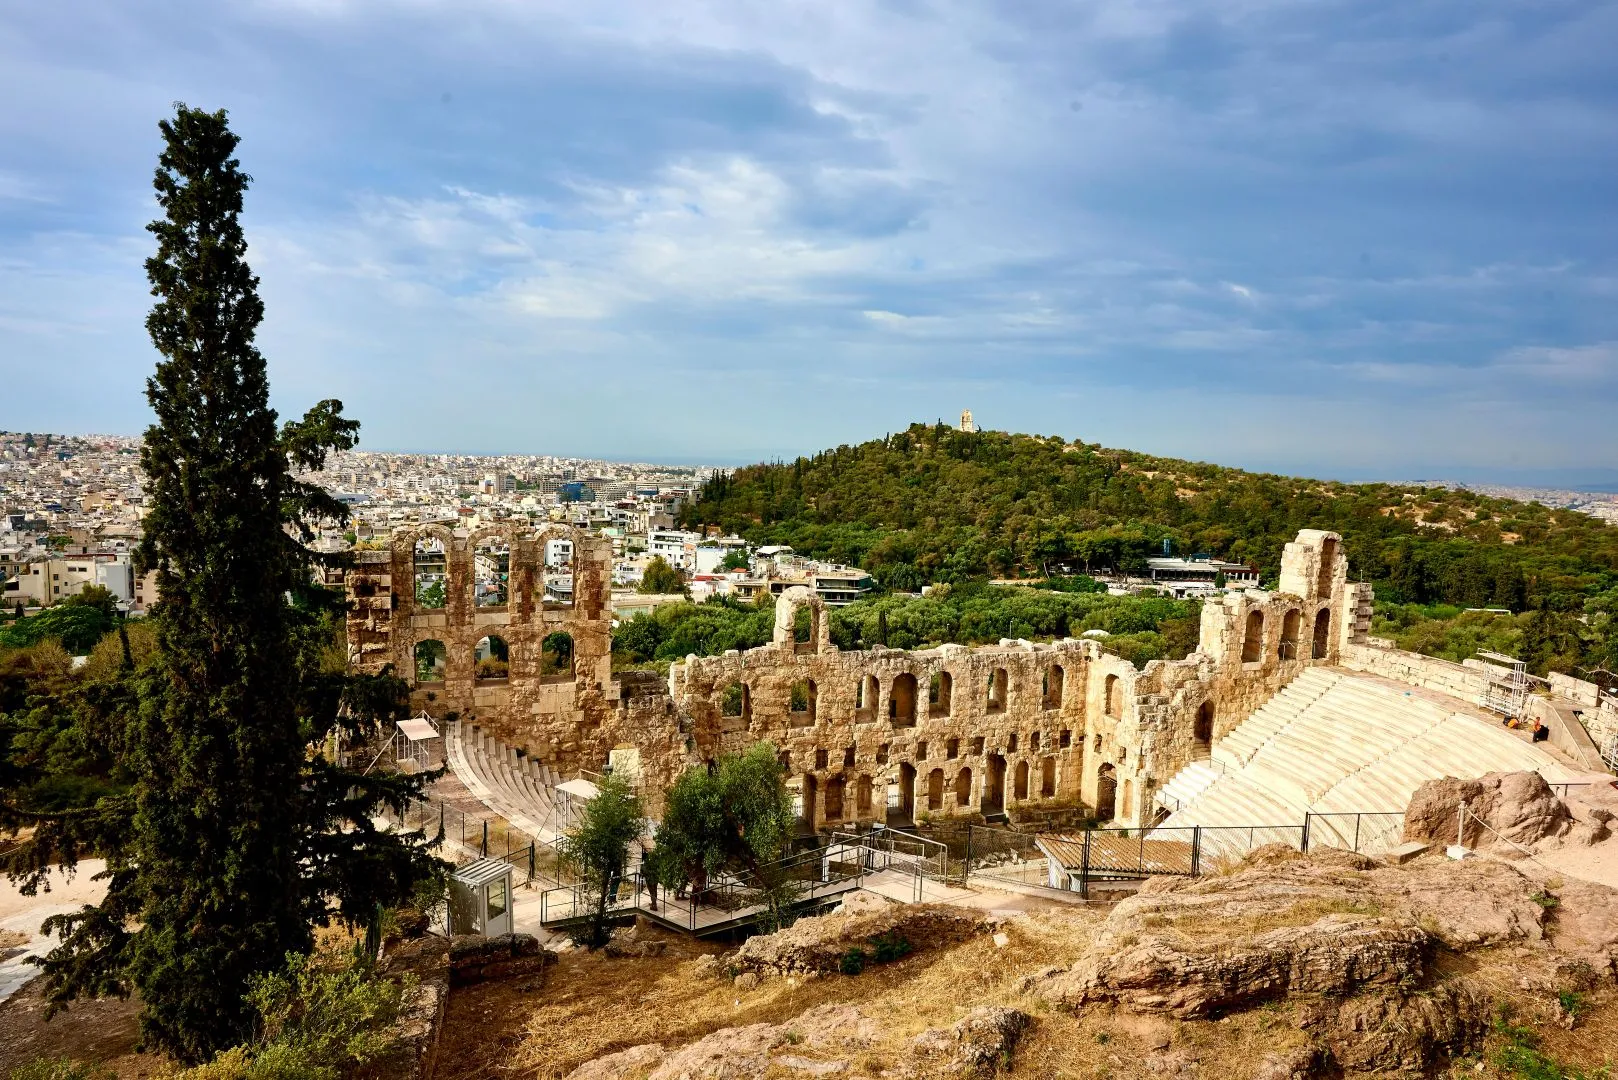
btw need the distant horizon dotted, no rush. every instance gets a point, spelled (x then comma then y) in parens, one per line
(1583, 481)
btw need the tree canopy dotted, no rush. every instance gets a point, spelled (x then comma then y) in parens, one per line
(228, 829)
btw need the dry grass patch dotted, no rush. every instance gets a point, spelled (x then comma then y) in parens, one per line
(1198, 923)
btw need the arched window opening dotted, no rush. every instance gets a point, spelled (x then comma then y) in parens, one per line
(1107, 793)
(935, 790)
(809, 798)
(1053, 687)
(556, 658)
(1019, 783)
(902, 700)
(952, 749)
(801, 702)
(994, 793)
(491, 573)
(939, 691)
(1288, 649)
(1202, 732)
(1011, 742)
(977, 745)
(735, 707)
(431, 659)
(862, 797)
(997, 691)
(1253, 638)
(1322, 634)
(492, 658)
(556, 576)
(907, 792)
(1328, 567)
(866, 692)
(834, 799)
(1047, 778)
(805, 628)
(963, 788)
(1109, 696)
(431, 572)
(1033, 741)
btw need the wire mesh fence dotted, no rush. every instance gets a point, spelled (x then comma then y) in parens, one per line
(463, 837)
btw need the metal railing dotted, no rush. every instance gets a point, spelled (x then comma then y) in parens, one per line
(469, 837)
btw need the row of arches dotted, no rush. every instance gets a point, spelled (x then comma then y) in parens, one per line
(1287, 647)
(491, 659)
(938, 791)
(904, 700)
(490, 586)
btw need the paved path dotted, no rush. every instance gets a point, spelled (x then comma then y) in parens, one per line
(23, 914)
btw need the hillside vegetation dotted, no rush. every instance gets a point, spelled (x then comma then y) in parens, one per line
(933, 504)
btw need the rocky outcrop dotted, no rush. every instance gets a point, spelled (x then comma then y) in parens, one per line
(421, 1014)
(1518, 807)
(819, 943)
(980, 1045)
(1347, 940)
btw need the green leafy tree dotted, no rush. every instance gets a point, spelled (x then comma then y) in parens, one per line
(736, 817)
(598, 847)
(735, 560)
(660, 577)
(234, 834)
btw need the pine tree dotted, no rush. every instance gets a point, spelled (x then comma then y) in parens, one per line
(235, 834)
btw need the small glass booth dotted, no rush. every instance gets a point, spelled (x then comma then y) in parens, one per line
(480, 898)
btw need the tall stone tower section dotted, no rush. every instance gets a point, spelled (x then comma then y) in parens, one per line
(1314, 568)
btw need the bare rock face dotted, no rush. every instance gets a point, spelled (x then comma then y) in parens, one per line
(476, 959)
(1342, 935)
(819, 943)
(1518, 807)
(817, 1043)
(979, 1045)
(1304, 1063)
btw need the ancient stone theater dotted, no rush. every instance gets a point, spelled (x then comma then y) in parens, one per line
(1287, 706)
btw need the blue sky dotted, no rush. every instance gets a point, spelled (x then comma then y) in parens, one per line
(1356, 238)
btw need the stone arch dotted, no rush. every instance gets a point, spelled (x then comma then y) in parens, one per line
(493, 551)
(1202, 732)
(801, 702)
(1322, 636)
(935, 790)
(557, 656)
(996, 701)
(430, 548)
(735, 707)
(1106, 792)
(963, 787)
(1288, 649)
(1328, 566)
(940, 689)
(816, 630)
(1052, 687)
(902, 700)
(1111, 697)
(1253, 638)
(431, 659)
(994, 788)
(557, 549)
(1019, 782)
(1047, 778)
(491, 658)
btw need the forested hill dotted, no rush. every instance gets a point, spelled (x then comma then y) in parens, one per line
(936, 504)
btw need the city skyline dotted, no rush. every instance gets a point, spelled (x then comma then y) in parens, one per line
(1367, 241)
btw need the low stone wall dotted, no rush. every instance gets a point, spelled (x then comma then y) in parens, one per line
(1377, 656)
(474, 959)
(421, 1015)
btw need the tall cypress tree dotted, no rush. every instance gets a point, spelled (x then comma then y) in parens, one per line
(235, 834)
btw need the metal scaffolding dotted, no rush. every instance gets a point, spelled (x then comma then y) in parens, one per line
(1509, 683)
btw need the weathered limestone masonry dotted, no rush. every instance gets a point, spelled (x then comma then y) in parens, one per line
(946, 730)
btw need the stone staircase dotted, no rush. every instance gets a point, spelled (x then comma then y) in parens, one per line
(518, 788)
(1335, 742)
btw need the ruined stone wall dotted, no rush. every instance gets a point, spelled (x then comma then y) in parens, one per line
(1013, 724)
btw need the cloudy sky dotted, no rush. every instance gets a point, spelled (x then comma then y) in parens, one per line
(1357, 238)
